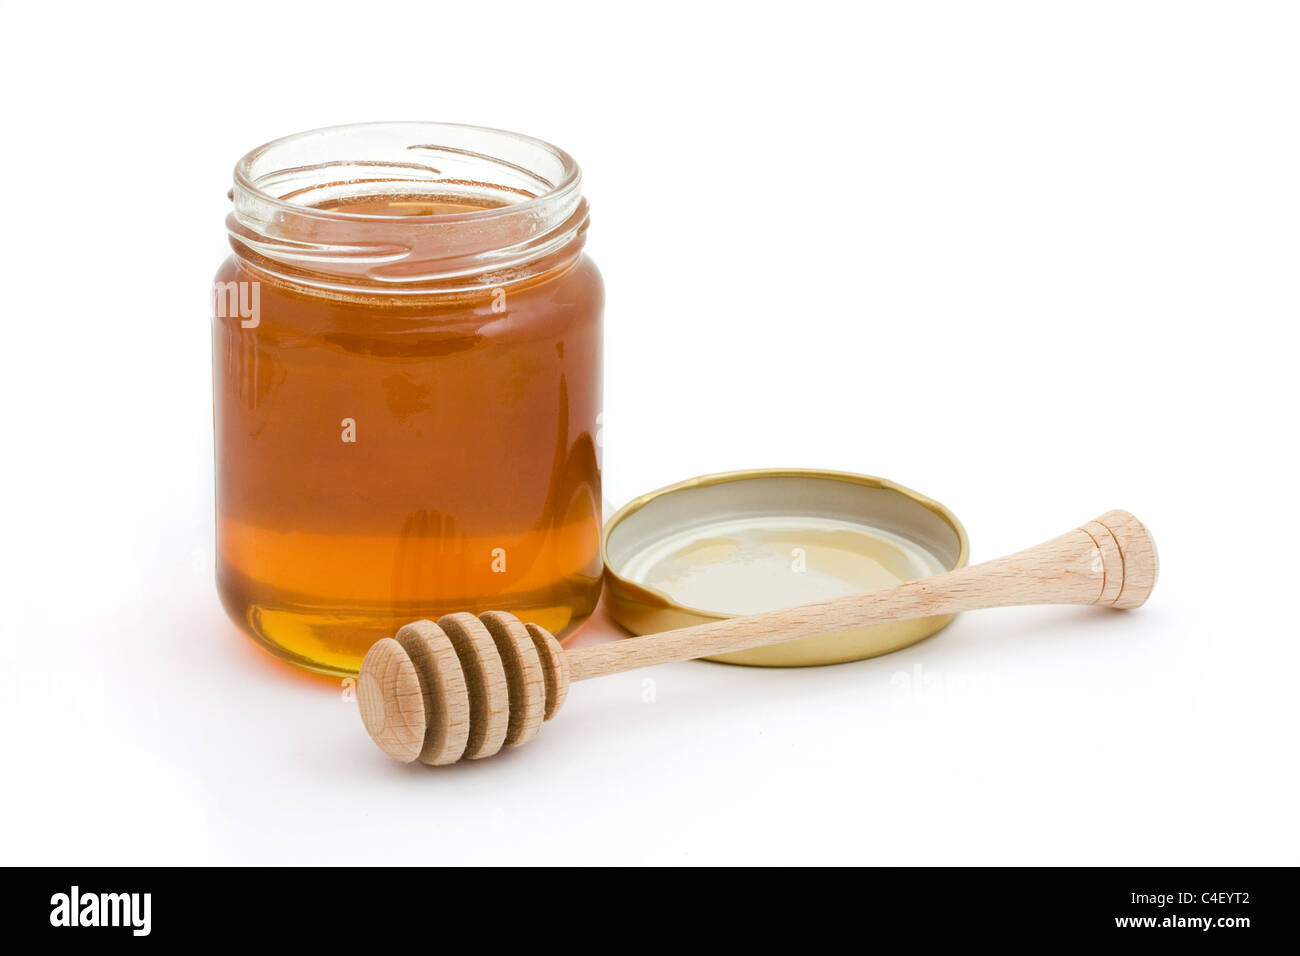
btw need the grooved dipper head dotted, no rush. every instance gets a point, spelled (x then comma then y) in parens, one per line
(461, 688)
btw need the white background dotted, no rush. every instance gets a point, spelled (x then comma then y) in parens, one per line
(1035, 260)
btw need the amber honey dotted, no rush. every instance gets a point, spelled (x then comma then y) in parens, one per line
(398, 436)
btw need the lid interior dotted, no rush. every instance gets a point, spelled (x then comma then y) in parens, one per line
(870, 503)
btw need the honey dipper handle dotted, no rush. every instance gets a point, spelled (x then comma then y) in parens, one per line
(1111, 561)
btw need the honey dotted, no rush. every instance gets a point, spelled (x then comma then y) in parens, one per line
(407, 427)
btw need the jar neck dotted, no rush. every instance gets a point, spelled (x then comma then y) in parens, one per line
(524, 211)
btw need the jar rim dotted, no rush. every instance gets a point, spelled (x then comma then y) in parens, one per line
(530, 208)
(571, 178)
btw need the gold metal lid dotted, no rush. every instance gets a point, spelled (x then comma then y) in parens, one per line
(746, 541)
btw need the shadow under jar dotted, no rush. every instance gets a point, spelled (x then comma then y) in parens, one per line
(407, 381)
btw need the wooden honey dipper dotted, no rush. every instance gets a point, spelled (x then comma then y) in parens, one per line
(467, 686)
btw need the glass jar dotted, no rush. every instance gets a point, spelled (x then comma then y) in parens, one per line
(407, 384)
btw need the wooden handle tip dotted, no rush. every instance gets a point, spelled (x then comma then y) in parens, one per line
(1139, 560)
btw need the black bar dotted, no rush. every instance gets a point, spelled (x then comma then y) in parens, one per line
(1172, 905)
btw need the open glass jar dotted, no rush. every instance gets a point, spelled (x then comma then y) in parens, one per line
(407, 384)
